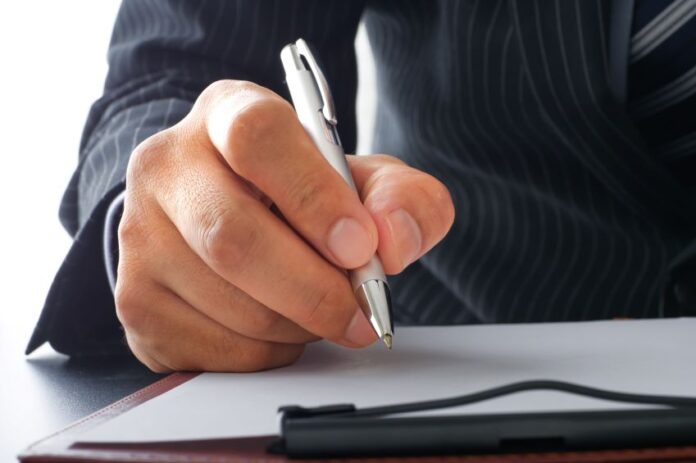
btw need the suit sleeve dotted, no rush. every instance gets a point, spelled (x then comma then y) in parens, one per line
(162, 55)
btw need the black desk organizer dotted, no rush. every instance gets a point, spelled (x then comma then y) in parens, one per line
(343, 430)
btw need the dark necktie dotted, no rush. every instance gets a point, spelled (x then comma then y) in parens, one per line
(662, 81)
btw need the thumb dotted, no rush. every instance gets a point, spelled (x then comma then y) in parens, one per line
(413, 210)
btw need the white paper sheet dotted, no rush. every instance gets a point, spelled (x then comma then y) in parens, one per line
(657, 357)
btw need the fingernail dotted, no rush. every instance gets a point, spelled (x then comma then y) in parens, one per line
(350, 243)
(359, 330)
(407, 235)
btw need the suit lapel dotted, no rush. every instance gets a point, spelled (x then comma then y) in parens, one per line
(565, 55)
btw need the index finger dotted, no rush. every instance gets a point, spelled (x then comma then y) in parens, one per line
(260, 137)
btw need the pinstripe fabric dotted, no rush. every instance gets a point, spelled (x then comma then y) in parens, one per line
(662, 81)
(559, 214)
(562, 211)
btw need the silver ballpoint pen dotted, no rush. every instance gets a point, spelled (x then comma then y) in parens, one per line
(313, 103)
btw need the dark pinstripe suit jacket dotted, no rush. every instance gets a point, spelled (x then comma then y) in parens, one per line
(562, 212)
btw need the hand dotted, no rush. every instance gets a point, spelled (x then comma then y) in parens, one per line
(212, 278)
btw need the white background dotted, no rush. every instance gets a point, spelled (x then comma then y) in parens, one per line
(52, 67)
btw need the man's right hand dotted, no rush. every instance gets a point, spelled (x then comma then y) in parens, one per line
(211, 277)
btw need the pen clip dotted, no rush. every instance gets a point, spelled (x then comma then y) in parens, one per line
(327, 109)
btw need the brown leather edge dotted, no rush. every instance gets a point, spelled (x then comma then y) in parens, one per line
(254, 450)
(56, 447)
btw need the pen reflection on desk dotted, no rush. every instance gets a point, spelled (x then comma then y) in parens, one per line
(315, 109)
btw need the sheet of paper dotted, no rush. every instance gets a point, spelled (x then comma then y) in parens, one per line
(657, 357)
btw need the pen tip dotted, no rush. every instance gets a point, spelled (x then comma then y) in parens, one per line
(387, 339)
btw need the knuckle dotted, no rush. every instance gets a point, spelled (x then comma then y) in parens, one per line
(145, 358)
(147, 159)
(260, 356)
(129, 229)
(227, 87)
(310, 196)
(217, 88)
(253, 128)
(186, 363)
(222, 352)
(156, 367)
(229, 238)
(172, 355)
(130, 309)
(260, 321)
(315, 308)
(136, 241)
(325, 312)
(230, 353)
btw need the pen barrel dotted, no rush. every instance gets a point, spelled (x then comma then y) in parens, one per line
(324, 135)
(308, 108)
(368, 282)
(371, 271)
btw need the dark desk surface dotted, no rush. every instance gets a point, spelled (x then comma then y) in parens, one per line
(47, 391)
